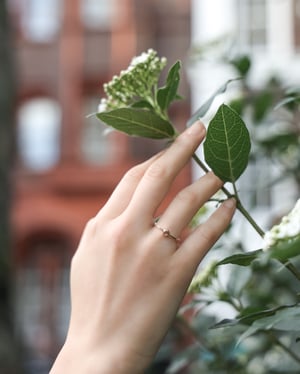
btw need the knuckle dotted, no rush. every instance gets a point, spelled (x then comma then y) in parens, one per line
(120, 234)
(135, 173)
(208, 236)
(188, 196)
(90, 226)
(157, 171)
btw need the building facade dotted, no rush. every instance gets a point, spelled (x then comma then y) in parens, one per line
(66, 168)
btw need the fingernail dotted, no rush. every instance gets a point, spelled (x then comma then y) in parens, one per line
(230, 203)
(196, 128)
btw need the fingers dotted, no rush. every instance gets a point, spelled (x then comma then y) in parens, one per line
(195, 247)
(159, 176)
(122, 194)
(186, 204)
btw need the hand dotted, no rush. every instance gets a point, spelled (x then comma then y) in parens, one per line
(128, 279)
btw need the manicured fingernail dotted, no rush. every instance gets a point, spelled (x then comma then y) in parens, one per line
(230, 203)
(196, 128)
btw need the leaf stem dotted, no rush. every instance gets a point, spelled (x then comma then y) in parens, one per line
(292, 269)
(239, 206)
(247, 215)
(250, 219)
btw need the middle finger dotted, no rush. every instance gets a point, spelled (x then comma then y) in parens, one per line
(158, 178)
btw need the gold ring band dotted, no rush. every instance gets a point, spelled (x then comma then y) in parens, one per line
(166, 233)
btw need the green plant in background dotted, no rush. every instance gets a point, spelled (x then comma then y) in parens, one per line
(263, 285)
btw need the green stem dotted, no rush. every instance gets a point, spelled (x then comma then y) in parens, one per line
(249, 218)
(247, 215)
(239, 205)
(292, 269)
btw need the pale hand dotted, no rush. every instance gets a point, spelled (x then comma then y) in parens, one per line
(128, 279)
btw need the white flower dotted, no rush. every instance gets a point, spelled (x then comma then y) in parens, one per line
(139, 59)
(102, 107)
(135, 83)
(287, 229)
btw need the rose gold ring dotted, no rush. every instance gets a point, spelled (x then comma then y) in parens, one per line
(166, 233)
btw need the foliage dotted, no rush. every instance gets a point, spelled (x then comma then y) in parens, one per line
(262, 286)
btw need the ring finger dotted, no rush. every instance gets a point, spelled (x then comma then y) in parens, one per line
(188, 201)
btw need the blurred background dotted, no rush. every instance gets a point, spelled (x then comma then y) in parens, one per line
(56, 166)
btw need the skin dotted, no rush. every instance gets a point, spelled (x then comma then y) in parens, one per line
(127, 279)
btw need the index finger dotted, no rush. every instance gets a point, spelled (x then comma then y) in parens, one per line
(159, 176)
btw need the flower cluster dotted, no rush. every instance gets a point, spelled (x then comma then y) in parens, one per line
(135, 83)
(287, 229)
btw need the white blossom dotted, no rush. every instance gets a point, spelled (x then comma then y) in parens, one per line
(102, 107)
(134, 83)
(139, 59)
(287, 229)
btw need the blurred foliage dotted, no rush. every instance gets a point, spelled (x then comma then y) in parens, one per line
(273, 112)
(261, 290)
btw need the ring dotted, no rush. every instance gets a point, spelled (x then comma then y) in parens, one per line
(166, 233)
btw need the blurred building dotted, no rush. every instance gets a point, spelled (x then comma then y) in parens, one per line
(65, 167)
(269, 32)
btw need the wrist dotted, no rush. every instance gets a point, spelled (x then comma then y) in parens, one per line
(73, 360)
(78, 360)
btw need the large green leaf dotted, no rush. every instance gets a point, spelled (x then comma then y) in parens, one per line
(138, 122)
(168, 93)
(227, 145)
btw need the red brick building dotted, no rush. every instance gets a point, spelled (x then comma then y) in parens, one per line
(65, 168)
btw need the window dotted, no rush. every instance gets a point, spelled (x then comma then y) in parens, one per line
(40, 19)
(97, 14)
(38, 133)
(96, 146)
(252, 23)
(42, 301)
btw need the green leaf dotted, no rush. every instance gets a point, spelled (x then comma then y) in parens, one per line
(168, 93)
(142, 104)
(249, 319)
(227, 145)
(242, 64)
(138, 122)
(279, 142)
(205, 107)
(285, 250)
(287, 319)
(286, 101)
(262, 104)
(242, 259)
